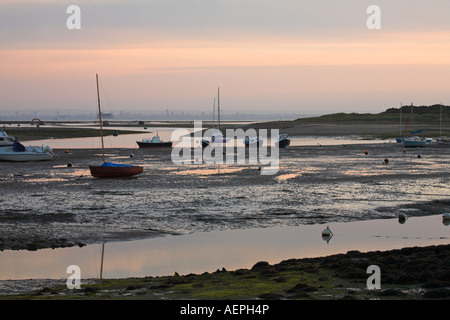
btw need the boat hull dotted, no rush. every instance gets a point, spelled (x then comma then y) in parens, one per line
(25, 156)
(114, 172)
(154, 144)
(413, 144)
(284, 143)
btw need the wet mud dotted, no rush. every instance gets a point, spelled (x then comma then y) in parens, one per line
(58, 203)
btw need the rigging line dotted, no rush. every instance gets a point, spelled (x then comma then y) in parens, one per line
(106, 96)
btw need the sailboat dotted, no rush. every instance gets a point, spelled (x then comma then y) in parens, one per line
(413, 141)
(109, 169)
(216, 137)
(442, 140)
(400, 138)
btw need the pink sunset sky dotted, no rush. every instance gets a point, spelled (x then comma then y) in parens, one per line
(309, 57)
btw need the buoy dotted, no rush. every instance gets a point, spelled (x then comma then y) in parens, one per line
(446, 219)
(131, 155)
(69, 165)
(67, 151)
(402, 218)
(404, 150)
(386, 160)
(327, 232)
(419, 156)
(367, 152)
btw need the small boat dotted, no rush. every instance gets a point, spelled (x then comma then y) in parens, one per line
(108, 169)
(114, 170)
(20, 153)
(5, 139)
(283, 141)
(249, 141)
(414, 142)
(443, 141)
(155, 142)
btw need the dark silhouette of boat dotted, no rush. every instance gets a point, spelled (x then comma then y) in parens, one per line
(155, 142)
(283, 141)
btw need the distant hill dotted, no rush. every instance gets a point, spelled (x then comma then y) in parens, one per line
(382, 125)
(418, 114)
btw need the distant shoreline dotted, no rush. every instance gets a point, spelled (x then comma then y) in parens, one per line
(292, 128)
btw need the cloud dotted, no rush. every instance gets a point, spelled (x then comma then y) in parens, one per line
(43, 22)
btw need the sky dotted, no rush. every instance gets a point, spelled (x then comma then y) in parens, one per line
(268, 56)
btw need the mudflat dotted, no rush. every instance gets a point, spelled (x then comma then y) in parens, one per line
(54, 204)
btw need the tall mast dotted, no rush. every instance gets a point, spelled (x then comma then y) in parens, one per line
(101, 263)
(401, 106)
(100, 118)
(214, 113)
(218, 109)
(440, 123)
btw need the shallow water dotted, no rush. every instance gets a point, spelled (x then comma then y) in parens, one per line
(209, 251)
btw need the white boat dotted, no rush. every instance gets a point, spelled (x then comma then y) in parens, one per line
(443, 141)
(19, 153)
(413, 142)
(6, 140)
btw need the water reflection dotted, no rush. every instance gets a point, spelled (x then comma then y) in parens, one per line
(209, 251)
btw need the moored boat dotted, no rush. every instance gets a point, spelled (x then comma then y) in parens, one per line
(109, 169)
(249, 141)
(413, 142)
(155, 142)
(216, 137)
(20, 153)
(283, 141)
(114, 170)
(5, 139)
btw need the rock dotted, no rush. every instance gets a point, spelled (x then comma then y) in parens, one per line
(302, 287)
(437, 294)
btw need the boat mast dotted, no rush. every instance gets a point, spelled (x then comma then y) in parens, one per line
(214, 113)
(401, 106)
(440, 123)
(218, 109)
(100, 118)
(101, 263)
